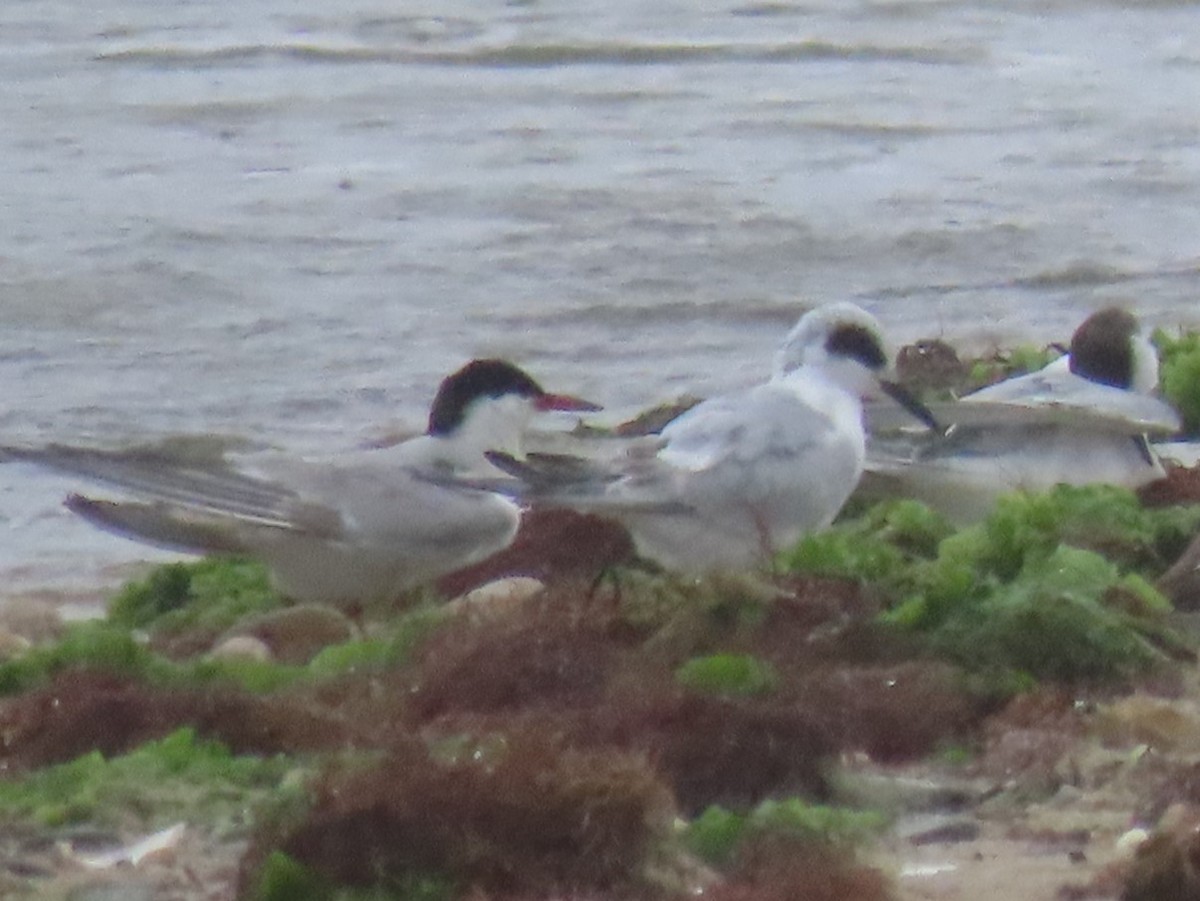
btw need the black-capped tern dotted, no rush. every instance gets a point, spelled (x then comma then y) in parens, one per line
(1085, 418)
(357, 527)
(742, 475)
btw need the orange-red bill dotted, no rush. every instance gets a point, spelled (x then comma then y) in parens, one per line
(565, 402)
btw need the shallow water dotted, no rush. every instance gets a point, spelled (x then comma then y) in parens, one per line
(254, 218)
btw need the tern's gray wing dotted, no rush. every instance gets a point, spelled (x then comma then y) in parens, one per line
(727, 438)
(163, 525)
(1122, 412)
(1046, 384)
(1089, 406)
(767, 422)
(211, 503)
(530, 478)
(1064, 398)
(551, 472)
(552, 480)
(898, 452)
(376, 495)
(165, 474)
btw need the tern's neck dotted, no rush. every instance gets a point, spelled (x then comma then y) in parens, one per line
(844, 376)
(1145, 365)
(495, 425)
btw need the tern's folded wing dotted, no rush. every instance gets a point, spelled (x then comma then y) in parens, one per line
(1063, 397)
(546, 481)
(1113, 410)
(201, 483)
(763, 423)
(1119, 411)
(163, 525)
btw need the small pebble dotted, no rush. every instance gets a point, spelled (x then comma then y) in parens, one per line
(242, 647)
(12, 645)
(294, 635)
(497, 598)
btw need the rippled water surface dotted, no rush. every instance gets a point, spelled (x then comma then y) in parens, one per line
(289, 222)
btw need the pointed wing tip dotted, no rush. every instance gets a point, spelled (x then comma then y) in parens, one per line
(506, 462)
(78, 503)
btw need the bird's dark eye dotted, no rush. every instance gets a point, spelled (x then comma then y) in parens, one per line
(856, 342)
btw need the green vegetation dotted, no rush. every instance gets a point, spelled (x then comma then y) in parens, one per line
(1027, 530)
(99, 644)
(653, 600)
(1026, 590)
(92, 643)
(1052, 620)
(1006, 364)
(213, 593)
(1179, 368)
(390, 647)
(1049, 586)
(176, 778)
(718, 834)
(207, 597)
(878, 547)
(282, 878)
(727, 674)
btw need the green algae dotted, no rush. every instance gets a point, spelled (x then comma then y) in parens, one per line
(955, 755)
(1179, 368)
(391, 646)
(714, 835)
(1027, 589)
(213, 593)
(1052, 621)
(91, 643)
(1025, 530)
(727, 674)
(717, 835)
(879, 547)
(100, 645)
(1050, 586)
(1006, 364)
(255, 676)
(681, 617)
(282, 878)
(178, 776)
(206, 599)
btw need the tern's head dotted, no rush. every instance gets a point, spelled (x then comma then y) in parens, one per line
(840, 339)
(489, 403)
(1110, 348)
(845, 344)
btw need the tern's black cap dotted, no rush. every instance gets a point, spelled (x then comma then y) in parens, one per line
(1102, 348)
(479, 378)
(856, 342)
